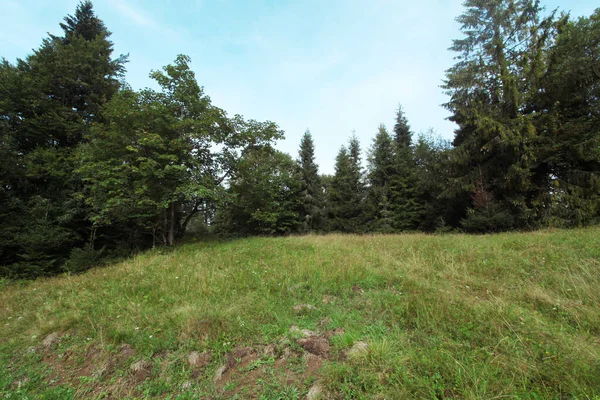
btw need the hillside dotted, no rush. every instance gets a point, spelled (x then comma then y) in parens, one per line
(401, 316)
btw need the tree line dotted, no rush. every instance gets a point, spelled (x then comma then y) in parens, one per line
(91, 169)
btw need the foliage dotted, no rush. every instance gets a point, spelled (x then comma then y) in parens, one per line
(47, 104)
(90, 167)
(312, 204)
(381, 171)
(346, 192)
(264, 193)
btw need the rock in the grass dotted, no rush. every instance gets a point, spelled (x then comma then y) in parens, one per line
(199, 360)
(288, 353)
(219, 373)
(302, 308)
(140, 366)
(308, 333)
(243, 352)
(358, 290)
(315, 392)
(186, 385)
(141, 370)
(303, 332)
(315, 345)
(359, 348)
(51, 340)
(271, 350)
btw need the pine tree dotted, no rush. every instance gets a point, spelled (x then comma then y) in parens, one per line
(381, 173)
(501, 60)
(311, 212)
(347, 191)
(59, 91)
(402, 132)
(406, 207)
(567, 171)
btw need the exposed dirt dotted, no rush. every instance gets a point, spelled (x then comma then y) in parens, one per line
(246, 368)
(316, 345)
(244, 372)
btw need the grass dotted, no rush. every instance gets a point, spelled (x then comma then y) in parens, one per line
(469, 317)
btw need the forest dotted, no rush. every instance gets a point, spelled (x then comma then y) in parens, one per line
(92, 170)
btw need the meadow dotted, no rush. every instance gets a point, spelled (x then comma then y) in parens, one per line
(513, 315)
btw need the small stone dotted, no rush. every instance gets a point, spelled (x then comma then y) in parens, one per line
(140, 366)
(358, 349)
(199, 360)
(304, 332)
(51, 340)
(186, 385)
(219, 373)
(270, 350)
(141, 370)
(302, 308)
(315, 392)
(288, 353)
(308, 333)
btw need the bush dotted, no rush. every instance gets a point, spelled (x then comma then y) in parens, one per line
(82, 259)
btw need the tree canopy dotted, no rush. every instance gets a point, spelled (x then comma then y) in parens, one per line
(92, 169)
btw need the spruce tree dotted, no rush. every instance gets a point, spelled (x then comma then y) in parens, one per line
(402, 132)
(347, 191)
(567, 173)
(407, 209)
(381, 172)
(59, 91)
(501, 59)
(311, 210)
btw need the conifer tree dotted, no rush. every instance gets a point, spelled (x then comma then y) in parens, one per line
(406, 207)
(382, 171)
(347, 191)
(501, 60)
(567, 171)
(50, 100)
(311, 212)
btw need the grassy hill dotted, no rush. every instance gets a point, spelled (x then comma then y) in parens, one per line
(404, 316)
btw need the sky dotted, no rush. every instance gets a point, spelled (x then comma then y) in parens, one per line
(331, 66)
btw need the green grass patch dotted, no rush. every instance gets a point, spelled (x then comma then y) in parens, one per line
(473, 317)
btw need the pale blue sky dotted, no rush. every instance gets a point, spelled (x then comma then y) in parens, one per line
(328, 65)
